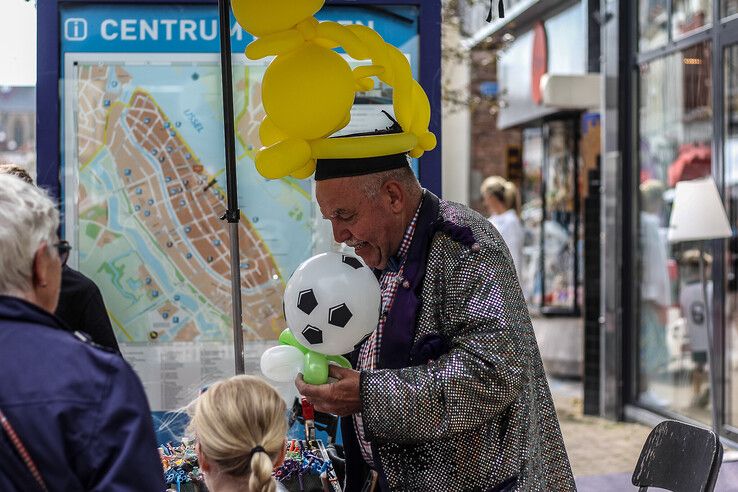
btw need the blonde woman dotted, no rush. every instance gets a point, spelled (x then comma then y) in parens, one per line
(501, 200)
(240, 426)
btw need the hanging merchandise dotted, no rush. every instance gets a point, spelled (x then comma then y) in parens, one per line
(181, 469)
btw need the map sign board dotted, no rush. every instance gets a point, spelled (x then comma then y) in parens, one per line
(143, 184)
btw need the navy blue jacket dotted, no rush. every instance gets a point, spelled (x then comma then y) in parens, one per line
(79, 409)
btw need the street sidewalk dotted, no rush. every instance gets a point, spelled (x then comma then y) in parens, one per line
(603, 453)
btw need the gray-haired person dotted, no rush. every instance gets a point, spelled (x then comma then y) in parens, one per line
(74, 416)
(81, 304)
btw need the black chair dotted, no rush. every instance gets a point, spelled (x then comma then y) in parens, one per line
(679, 457)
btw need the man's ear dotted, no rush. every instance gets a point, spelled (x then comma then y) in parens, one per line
(396, 196)
(40, 266)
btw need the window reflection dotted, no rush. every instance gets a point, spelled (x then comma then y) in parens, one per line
(531, 213)
(675, 137)
(18, 126)
(690, 15)
(652, 20)
(731, 193)
(561, 221)
(728, 8)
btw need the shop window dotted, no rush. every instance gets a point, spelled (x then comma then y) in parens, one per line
(689, 15)
(561, 219)
(652, 20)
(731, 266)
(728, 8)
(531, 214)
(675, 138)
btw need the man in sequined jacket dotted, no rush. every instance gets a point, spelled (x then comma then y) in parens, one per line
(449, 392)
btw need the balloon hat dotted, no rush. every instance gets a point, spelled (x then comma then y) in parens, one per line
(308, 89)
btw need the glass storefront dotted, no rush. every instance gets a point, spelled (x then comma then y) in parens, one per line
(531, 214)
(690, 15)
(652, 21)
(549, 212)
(561, 218)
(675, 134)
(687, 128)
(728, 8)
(730, 152)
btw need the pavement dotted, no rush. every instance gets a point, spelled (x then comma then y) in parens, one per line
(603, 453)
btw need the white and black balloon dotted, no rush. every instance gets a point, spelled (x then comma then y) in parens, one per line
(282, 363)
(332, 302)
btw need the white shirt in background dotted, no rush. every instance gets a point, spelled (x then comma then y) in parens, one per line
(512, 231)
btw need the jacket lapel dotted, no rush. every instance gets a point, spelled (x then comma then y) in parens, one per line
(399, 328)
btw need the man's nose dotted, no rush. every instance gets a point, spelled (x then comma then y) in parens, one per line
(340, 233)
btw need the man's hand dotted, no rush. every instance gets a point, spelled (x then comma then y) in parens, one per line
(340, 398)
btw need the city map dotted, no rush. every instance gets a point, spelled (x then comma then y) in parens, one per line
(144, 186)
(151, 188)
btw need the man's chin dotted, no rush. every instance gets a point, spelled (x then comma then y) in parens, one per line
(366, 255)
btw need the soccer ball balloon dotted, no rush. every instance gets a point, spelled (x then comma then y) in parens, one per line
(331, 303)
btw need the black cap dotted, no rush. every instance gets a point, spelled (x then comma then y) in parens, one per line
(358, 166)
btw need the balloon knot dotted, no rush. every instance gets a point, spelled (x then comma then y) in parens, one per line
(308, 28)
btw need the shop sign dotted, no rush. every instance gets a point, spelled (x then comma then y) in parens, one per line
(539, 61)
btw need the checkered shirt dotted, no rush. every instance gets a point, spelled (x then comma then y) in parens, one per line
(389, 281)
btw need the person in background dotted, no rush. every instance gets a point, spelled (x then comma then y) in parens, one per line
(76, 413)
(80, 303)
(694, 312)
(655, 289)
(240, 427)
(501, 200)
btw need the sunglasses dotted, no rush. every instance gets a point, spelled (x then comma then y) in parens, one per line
(63, 248)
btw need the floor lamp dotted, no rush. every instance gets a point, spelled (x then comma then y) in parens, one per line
(697, 214)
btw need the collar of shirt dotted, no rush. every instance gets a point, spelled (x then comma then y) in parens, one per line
(395, 262)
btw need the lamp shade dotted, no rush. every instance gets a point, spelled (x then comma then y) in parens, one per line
(697, 212)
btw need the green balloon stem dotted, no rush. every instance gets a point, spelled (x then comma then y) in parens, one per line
(315, 370)
(340, 360)
(315, 367)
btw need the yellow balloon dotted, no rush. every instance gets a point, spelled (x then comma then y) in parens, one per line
(282, 158)
(269, 134)
(349, 41)
(416, 152)
(364, 71)
(325, 43)
(345, 122)
(375, 45)
(308, 28)
(421, 110)
(306, 171)
(402, 97)
(427, 141)
(364, 146)
(274, 44)
(262, 17)
(308, 92)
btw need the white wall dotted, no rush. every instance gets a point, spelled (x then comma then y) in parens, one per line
(455, 121)
(17, 43)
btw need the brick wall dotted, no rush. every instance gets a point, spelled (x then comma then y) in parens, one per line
(488, 144)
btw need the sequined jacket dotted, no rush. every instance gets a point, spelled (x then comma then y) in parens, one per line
(459, 400)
